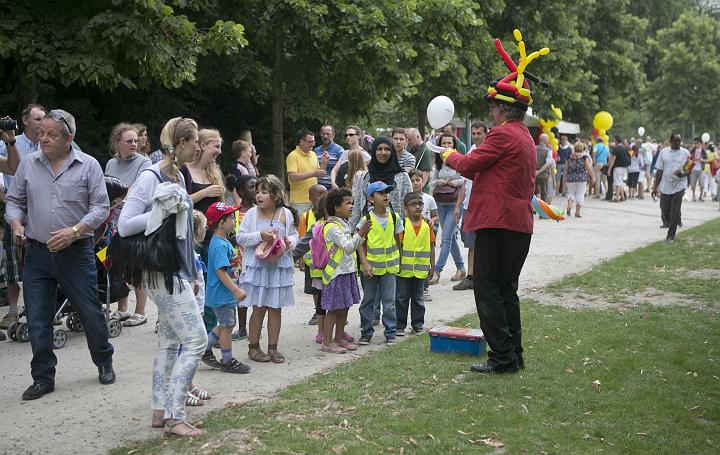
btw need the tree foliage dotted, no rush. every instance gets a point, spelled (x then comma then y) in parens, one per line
(298, 63)
(122, 43)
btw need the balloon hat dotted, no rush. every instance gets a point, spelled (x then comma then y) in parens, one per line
(514, 88)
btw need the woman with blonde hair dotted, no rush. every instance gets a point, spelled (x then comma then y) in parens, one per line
(127, 165)
(356, 163)
(179, 321)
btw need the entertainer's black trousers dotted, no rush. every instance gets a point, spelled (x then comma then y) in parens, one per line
(499, 258)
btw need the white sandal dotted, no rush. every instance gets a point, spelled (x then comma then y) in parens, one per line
(135, 320)
(192, 400)
(200, 393)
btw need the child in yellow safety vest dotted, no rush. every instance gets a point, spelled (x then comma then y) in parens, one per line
(308, 219)
(417, 250)
(380, 259)
(245, 188)
(339, 277)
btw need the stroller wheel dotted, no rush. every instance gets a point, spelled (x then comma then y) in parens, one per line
(77, 325)
(12, 331)
(115, 328)
(59, 338)
(70, 322)
(22, 333)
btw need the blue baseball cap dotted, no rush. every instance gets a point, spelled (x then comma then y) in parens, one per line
(379, 187)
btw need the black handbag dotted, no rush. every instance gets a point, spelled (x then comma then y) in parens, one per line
(129, 257)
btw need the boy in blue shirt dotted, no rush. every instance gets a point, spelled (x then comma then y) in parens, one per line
(222, 293)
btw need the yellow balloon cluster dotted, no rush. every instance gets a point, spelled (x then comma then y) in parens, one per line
(602, 122)
(547, 125)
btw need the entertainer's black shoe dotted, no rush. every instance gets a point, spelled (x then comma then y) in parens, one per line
(485, 368)
(106, 374)
(37, 390)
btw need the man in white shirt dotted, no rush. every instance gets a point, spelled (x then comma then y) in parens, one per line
(671, 181)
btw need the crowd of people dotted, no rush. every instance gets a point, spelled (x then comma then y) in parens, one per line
(224, 242)
(230, 241)
(623, 169)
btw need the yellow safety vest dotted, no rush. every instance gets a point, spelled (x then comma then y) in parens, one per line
(309, 218)
(382, 251)
(415, 251)
(307, 257)
(335, 257)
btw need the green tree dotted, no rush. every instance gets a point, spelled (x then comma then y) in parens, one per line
(122, 43)
(688, 74)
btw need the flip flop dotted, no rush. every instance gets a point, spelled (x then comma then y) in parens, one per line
(194, 431)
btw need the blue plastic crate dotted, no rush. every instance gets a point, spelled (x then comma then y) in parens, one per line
(457, 339)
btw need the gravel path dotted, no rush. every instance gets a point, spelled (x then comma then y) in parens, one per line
(83, 416)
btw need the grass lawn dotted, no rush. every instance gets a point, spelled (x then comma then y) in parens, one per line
(690, 266)
(638, 380)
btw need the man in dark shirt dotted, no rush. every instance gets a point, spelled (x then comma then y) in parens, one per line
(618, 164)
(564, 151)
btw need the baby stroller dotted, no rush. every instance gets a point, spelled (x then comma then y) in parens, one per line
(109, 290)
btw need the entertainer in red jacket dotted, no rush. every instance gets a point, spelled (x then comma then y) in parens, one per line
(502, 169)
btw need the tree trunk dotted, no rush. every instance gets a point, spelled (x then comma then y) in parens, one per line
(278, 152)
(421, 115)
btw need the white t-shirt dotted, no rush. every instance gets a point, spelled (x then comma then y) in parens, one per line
(670, 161)
(428, 205)
(468, 190)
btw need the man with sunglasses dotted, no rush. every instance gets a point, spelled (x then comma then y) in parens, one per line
(56, 200)
(22, 145)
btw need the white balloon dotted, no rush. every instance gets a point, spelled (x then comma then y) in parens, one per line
(440, 111)
(641, 131)
(705, 137)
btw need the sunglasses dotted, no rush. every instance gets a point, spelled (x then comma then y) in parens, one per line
(351, 134)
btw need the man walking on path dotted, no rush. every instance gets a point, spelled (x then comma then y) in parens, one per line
(671, 181)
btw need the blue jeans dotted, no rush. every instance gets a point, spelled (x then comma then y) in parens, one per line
(377, 289)
(74, 270)
(449, 238)
(410, 296)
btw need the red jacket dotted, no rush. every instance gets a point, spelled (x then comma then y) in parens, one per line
(502, 169)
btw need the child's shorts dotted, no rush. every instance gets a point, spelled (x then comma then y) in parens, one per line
(226, 316)
(308, 288)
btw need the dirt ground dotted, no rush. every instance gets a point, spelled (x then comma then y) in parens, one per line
(82, 416)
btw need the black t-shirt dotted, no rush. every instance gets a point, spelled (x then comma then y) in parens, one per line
(622, 158)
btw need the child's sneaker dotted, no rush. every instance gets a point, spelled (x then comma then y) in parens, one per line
(400, 332)
(390, 341)
(364, 341)
(313, 320)
(210, 360)
(241, 334)
(417, 331)
(426, 296)
(348, 337)
(233, 366)
(319, 338)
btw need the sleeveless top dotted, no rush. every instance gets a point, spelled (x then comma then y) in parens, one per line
(576, 169)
